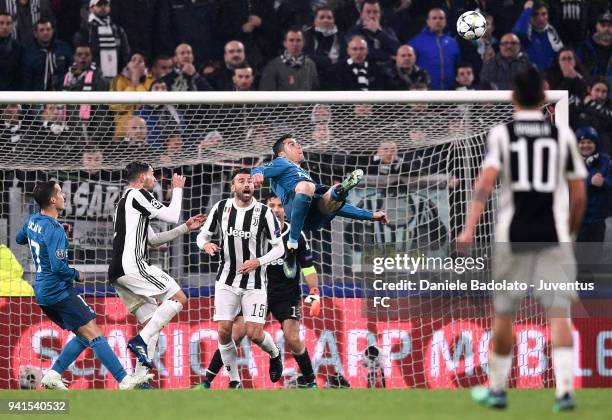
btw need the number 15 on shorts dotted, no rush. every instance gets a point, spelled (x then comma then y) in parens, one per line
(261, 312)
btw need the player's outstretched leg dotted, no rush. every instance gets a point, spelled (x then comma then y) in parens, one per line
(291, 331)
(340, 191)
(563, 363)
(264, 340)
(73, 349)
(300, 206)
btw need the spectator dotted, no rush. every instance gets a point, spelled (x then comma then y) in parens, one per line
(25, 14)
(540, 39)
(52, 129)
(138, 18)
(382, 41)
(233, 56)
(437, 52)
(10, 55)
(567, 74)
(510, 61)
(386, 160)
(173, 149)
(596, 111)
(487, 44)
(242, 80)
(92, 160)
(135, 140)
(464, 80)
(292, 70)
(46, 62)
(162, 65)
(406, 72)
(570, 16)
(108, 41)
(184, 76)
(133, 78)
(595, 52)
(161, 119)
(356, 72)
(12, 129)
(255, 24)
(323, 43)
(194, 23)
(599, 185)
(84, 75)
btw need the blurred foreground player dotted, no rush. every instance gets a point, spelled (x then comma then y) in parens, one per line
(539, 165)
(55, 293)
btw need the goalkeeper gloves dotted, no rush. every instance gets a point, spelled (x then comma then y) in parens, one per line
(315, 301)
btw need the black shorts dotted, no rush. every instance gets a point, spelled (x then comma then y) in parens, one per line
(285, 308)
(70, 313)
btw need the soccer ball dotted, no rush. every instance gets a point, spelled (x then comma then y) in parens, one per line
(471, 25)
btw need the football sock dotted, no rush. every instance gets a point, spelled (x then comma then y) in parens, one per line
(353, 212)
(105, 355)
(303, 361)
(228, 355)
(69, 353)
(563, 365)
(151, 347)
(299, 211)
(267, 345)
(214, 366)
(499, 370)
(162, 316)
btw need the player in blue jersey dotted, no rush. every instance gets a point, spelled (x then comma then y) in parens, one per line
(308, 205)
(55, 293)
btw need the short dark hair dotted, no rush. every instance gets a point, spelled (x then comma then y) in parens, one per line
(160, 57)
(239, 171)
(42, 22)
(324, 8)
(269, 197)
(599, 79)
(6, 14)
(465, 65)
(134, 169)
(279, 145)
(43, 191)
(292, 29)
(537, 5)
(241, 66)
(529, 88)
(368, 2)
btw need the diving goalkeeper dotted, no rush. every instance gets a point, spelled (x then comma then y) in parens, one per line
(308, 205)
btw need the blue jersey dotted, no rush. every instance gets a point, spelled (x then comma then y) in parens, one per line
(49, 247)
(284, 176)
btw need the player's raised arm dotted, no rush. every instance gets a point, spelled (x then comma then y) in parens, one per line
(157, 239)
(22, 237)
(270, 170)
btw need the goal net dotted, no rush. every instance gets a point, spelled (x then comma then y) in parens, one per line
(420, 152)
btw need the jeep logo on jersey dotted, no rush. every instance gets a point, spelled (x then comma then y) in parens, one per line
(238, 233)
(155, 203)
(60, 254)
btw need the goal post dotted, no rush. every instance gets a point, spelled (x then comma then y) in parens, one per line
(420, 150)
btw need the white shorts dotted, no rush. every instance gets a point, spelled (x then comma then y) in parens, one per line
(551, 265)
(136, 289)
(230, 300)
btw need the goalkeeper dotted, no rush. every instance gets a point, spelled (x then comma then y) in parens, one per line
(308, 206)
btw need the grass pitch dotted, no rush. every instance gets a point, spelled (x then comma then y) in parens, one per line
(593, 404)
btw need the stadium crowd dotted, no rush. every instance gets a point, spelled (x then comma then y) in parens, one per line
(295, 45)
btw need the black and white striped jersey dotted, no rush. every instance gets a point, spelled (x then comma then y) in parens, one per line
(535, 159)
(245, 234)
(131, 229)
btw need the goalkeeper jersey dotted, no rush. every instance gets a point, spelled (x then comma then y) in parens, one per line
(284, 176)
(49, 247)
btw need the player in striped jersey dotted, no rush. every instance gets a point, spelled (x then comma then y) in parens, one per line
(129, 270)
(247, 227)
(542, 201)
(284, 303)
